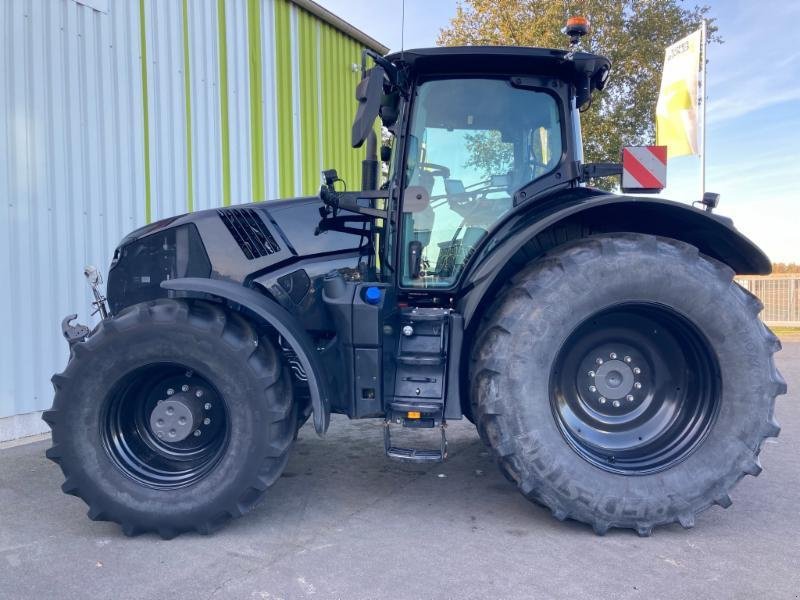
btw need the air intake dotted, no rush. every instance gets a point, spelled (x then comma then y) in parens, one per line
(249, 231)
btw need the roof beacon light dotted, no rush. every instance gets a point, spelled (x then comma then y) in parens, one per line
(576, 28)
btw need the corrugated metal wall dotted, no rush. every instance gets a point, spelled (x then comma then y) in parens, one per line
(110, 120)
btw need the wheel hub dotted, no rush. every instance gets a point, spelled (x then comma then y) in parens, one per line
(612, 378)
(165, 425)
(174, 420)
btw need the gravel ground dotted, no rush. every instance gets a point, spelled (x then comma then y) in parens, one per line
(344, 522)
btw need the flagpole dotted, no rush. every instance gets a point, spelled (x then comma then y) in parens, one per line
(703, 98)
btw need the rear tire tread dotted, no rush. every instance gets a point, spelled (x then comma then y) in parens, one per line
(487, 409)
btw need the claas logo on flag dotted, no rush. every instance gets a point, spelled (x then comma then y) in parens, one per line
(676, 110)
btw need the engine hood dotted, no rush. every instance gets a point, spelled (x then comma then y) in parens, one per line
(248, 238)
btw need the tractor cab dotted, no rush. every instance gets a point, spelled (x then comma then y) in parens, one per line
(474, 133)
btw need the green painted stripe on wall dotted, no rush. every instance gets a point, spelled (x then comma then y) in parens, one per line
(145, 114)
(223, 103)
(285, 102)
(256, 100)
(309, 114)
(339, 54)
(187, 91)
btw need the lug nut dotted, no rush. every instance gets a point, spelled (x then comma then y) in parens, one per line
(189, 373)
(629, 397)
(160, 434)
(637, 385)
(602, 399)
(615, 404)
(592, 389)
(197, 433)
(170, 391)
(591, 373)
(636, 370)
(613, 355)
(599, 361)
(206, 421)
(184, 388)
(627, 359)
(207, 406)
(199, 393)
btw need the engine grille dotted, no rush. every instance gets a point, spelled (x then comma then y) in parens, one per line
(249, 231)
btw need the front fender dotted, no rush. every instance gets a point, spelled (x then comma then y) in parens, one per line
(713, 235)
(282, 321)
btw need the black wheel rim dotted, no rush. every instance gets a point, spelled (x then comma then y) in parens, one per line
(635, 389)
(165, 426)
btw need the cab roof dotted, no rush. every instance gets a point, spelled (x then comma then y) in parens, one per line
(499, 60)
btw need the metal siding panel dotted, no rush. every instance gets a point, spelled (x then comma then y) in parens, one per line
(297, 132)
(255, 62)
(72, 174)
(205, 99)
(164, 36)
(187, 95)
(283, 70)
(309, 102)
(269, 94)
(238, 101)
(72, 141)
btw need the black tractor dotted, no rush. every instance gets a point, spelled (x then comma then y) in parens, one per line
(599, 343)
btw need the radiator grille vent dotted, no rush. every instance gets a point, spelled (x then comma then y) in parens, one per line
(249, 231)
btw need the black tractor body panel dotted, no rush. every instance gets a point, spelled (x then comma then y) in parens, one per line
(275, 316)
(237, 244)
(600, 212)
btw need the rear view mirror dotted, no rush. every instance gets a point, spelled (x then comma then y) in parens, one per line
(644, 169)
(368, 93)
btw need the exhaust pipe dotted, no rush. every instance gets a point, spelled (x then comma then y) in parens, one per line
(370, 165)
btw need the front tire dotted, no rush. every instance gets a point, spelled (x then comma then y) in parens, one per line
(625, 381)
(173, 416)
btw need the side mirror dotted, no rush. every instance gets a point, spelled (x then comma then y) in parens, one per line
(644, 169)
(369, 93)
(390, 109)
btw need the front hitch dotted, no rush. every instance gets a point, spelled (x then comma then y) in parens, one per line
(77, 333)
(73, 333)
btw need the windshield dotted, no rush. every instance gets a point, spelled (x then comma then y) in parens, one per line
(472, 144)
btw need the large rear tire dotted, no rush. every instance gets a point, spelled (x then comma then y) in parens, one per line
(625, 380)
(173, 416)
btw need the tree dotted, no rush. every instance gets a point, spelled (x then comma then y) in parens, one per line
(489, 153)
(785, 268)
(631, 33)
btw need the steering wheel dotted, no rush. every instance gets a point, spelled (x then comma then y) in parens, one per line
(434, 169)
(466, 200)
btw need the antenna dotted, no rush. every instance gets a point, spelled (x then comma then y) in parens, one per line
(402, 27)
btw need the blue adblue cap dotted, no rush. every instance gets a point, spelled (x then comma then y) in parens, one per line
(372, 295)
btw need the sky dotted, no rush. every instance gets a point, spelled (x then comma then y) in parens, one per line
(753, 123)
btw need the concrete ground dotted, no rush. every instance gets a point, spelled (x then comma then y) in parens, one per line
(344, 522)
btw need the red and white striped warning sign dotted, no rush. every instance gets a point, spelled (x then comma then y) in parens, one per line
(644, 168)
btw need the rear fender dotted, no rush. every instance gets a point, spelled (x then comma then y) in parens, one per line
(271, 313)
(713, 235)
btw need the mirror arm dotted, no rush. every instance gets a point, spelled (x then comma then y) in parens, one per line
(348, 201)
(593, 170)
